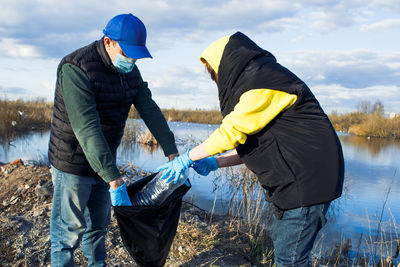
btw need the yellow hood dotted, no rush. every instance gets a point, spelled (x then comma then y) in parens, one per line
(213, 53)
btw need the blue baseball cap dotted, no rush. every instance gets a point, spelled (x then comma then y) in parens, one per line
(130, 33)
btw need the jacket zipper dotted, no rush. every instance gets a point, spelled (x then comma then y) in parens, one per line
(123, 89)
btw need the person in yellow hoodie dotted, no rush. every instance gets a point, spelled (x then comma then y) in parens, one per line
(275, 126)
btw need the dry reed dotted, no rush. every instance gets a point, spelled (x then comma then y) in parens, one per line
(366, 124)
(197, 115)
(379, 248)
(18, 116)
(146, 138)
(249, 212)
(243, 229)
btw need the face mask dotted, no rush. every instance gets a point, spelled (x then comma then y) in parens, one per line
(123, 64)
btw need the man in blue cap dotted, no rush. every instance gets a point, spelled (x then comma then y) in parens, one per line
(96, 87)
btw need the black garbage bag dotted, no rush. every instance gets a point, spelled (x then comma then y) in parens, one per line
(148, 231)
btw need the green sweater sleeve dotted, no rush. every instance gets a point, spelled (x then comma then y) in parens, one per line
(155, 120)
(80, 104)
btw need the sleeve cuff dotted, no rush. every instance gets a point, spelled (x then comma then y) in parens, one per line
(169, 149)
(211, 148)
(110, 175)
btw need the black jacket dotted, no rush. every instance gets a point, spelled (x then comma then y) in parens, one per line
(114, 93)
(297, 157)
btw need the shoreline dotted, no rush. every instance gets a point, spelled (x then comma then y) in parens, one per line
(202, 238)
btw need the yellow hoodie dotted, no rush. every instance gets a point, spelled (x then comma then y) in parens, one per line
(255, 109)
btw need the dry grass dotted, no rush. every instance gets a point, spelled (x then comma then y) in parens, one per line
(198, 115)
(377, 126)
(247, 199)
(202, 232)
(249, 213)
(366, 124)
(342, 122)
(195, 115)
(372, 250)
(131, 132)
(378, 248)
(358, 123)
(18, 116)
(134, 133)
(248, 210)
(146, 138)
(193, 237)
(197, 234)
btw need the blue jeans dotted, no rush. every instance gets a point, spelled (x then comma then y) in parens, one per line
(294, 234)
(80, 212)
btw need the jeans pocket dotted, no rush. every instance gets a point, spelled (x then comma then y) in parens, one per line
(54, 175)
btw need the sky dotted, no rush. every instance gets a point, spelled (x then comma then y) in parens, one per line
(346, 51)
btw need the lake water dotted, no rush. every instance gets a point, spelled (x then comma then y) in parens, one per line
(372, 184)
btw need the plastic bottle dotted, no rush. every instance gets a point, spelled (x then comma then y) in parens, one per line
(157, 190)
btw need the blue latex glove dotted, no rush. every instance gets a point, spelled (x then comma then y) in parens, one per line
(119, 196)
(205, 166)
(175, 168)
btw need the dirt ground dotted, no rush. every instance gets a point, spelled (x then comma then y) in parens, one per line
(25, 207)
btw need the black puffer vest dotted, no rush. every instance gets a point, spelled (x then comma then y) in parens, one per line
(297, 157)
(114, 93)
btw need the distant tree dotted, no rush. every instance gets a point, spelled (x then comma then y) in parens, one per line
(378, 108)
(364, 106)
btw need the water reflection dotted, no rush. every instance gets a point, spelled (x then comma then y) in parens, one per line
(32, 147)
(371, 164)
(373, 148)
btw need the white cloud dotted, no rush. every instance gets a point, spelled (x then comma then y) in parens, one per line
(323, 22)
(338, 79)
(13, 92)
(11, 48)
(351, 69)
(14, 12)
(336, 97)
(323, 35)
(392, 5)
(167, 21)
(44, 24)
(188, 87)
(382, 25)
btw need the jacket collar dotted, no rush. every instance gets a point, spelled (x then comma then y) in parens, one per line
(101, 49)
